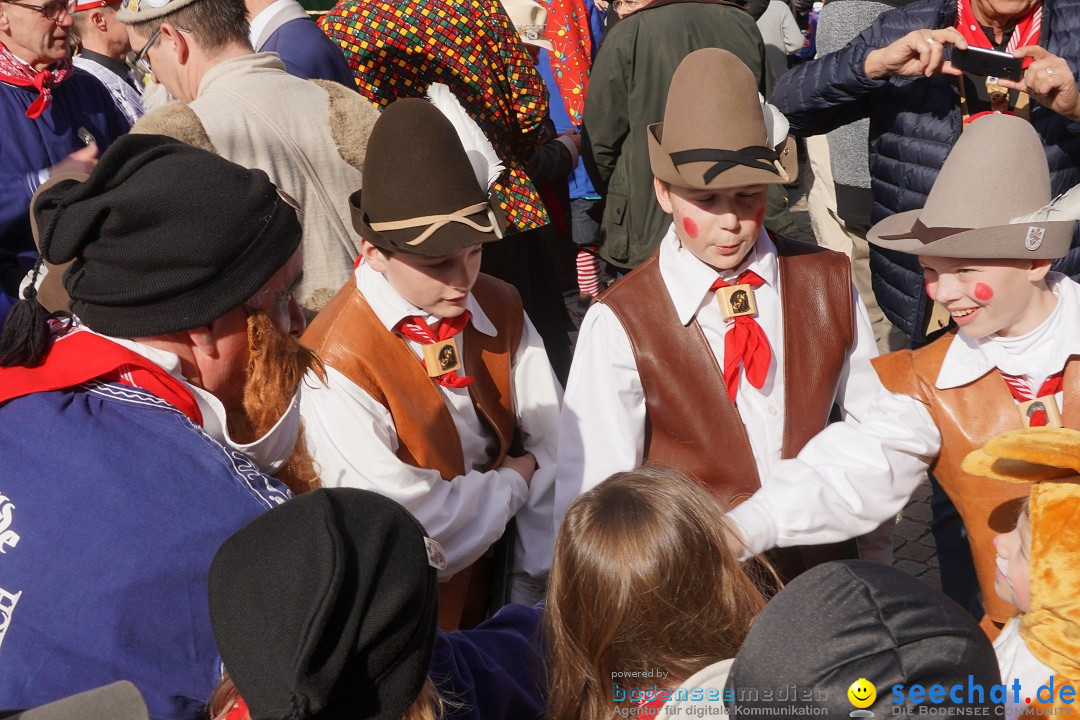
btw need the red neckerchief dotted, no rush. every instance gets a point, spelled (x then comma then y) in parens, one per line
(14, 71)
(745, 342)
(1021, 392)
(78, 355)
(1026, 31)
(239, 711)
(417, 330)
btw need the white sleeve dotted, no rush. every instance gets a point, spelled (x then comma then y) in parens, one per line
(602, 428)
(353, 441)
(859, 383)
(537, 399)
(848, 479)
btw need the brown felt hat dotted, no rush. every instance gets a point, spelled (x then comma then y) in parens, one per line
(995, 174)
(714, 134)
(421, 195)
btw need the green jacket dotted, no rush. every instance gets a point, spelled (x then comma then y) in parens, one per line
(628, 91)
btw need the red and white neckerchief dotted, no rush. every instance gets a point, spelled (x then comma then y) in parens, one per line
(78, 355)
(1026, 31)
(1022, 392)
(745, 342)
(415, 329)
(14, 71)
(239, 711)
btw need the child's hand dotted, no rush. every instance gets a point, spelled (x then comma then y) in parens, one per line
(524, 466)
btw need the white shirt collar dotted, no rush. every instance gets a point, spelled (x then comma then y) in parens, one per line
(390, 307)
(260, 21)
(269, 453)
(967, 360)
(688, 279)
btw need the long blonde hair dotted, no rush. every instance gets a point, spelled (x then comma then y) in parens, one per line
(643, 580)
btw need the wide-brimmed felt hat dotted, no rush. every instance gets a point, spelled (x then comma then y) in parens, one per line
(421, 194)
(715, 134)
(995, 174)
(136, 11)
(530, 21)
(119, 701)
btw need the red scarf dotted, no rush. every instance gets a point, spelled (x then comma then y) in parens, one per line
(15, 72)
(78, 355)
(1026, 32)
(414, 328)
(745, 343)
(1022, 392)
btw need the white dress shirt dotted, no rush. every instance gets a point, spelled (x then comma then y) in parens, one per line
(602, 428)
(354, 441)
(855, 474)
(1016, 662)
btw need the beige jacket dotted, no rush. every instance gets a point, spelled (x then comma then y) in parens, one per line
(309, 136)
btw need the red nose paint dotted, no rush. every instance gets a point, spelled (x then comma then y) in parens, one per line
(983, 292)
(690, 227)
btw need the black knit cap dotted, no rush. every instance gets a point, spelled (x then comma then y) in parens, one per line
(164, 236)
(325, 608)
(852, 619)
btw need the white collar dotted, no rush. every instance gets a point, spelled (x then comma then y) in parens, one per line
(269, 453)
(390, 307)
(260, 21)
(968, 360)
(688, 279)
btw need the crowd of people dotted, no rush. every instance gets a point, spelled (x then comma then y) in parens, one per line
(286, 312)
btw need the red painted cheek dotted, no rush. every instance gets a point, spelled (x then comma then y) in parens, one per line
(983, 292)
(690, 227)
(926, 286)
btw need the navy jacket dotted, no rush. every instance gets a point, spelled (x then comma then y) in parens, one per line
(308, 53)
(914, 122)
(494, 671)
(29, 146)
(112, 505)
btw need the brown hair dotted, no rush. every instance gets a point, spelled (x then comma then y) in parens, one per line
(276, 366)
(215, 24)
(428, 705)
(643, 579)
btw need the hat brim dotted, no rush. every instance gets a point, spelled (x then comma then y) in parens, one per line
(691, 175)
(446, 240)
(998, 242)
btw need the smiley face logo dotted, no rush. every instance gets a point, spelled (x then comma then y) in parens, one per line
(861, 693)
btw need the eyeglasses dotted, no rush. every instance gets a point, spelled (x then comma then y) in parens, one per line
(137, 61)
(628, 5)
(50, 11)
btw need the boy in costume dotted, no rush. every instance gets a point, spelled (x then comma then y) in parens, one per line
(728, 349)
(463, 438)
(985, 244)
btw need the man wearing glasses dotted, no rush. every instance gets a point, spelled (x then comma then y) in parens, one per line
(103, 46)
(55, 119)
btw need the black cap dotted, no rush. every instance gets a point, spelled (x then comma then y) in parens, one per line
(163, 236)
(325, 608)
(845, 621)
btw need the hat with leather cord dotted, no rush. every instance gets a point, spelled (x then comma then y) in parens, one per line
(423, 193)
(717, 133)
(991, 200)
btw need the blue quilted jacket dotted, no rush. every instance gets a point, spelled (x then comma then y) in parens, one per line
(914, 122)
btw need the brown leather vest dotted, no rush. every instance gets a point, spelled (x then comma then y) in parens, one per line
(691, 423)
(348, 336)
(968, 416)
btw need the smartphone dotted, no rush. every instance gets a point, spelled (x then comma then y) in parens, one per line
(977, 61)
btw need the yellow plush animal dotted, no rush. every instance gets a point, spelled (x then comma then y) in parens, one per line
(1048, 458)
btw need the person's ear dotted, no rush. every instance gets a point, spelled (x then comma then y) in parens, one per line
(663, 196)
(373, 256)
(1039, 269)
(97, 19)
(203, 342)
(5, 24)
(179, 42)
